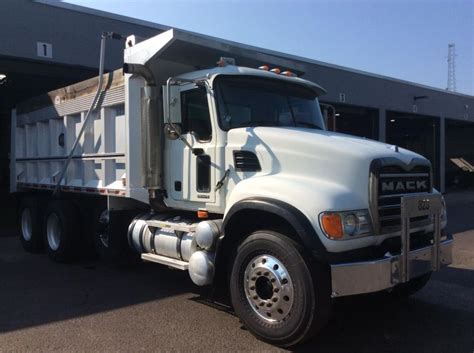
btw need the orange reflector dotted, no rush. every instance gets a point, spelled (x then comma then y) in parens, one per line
(288, 73)
(264, 67)
(276, 70)
(202, 214)
(332, 225)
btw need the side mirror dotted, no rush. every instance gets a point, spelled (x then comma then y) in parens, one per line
(171, 103)
(329, 115)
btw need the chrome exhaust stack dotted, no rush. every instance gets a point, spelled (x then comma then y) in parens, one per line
(152, 129)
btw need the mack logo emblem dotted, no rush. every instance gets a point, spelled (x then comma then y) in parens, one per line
(406, 185)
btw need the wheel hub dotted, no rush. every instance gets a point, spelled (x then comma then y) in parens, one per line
(269, 289)
(264, 288)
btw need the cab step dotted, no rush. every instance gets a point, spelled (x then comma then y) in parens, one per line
(168, 261)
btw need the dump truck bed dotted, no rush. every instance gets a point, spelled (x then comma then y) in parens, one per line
(44, 130)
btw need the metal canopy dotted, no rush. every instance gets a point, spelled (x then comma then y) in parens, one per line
(176, 52)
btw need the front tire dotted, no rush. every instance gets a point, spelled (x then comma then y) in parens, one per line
(279, 294)
(62, 232)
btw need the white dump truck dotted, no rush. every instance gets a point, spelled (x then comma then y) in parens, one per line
(229, 173)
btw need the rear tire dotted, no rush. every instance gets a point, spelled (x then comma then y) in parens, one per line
(62, 232)
(281, 296)
(30, 220)
(110, 236)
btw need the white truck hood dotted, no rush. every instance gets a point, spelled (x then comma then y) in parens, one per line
(315, 157)
(312, 170)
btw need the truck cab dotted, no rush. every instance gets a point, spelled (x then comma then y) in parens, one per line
(261, 135)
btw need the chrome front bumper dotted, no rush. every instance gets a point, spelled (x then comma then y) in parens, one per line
(373, 276)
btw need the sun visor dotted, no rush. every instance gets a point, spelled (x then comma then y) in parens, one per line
(175, 52)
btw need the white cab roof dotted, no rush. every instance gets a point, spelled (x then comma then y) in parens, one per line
(247, 71)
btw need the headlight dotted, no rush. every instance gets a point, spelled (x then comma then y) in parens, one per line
(350, 224)
(346, 225)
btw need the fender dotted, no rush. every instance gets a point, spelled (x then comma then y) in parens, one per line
(301, 224)
(292, 215)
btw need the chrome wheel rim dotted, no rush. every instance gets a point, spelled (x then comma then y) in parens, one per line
(269, 289)
(26, 224)
(53, 231)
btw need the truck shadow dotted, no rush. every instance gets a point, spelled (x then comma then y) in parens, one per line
(34, 291)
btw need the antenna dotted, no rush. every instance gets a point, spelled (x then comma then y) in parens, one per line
(451, 68)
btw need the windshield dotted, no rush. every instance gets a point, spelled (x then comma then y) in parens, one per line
(255, 101)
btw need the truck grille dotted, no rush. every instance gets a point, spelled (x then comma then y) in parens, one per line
(393, 183)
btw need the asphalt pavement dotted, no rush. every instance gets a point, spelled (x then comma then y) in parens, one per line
(91, 306)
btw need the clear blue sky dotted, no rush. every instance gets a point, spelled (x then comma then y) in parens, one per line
(398, 38)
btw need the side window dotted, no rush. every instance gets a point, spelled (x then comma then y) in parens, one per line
(195, 114)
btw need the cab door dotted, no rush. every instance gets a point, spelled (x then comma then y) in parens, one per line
(191, 176)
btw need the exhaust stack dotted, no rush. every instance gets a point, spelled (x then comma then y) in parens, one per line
(152, 128)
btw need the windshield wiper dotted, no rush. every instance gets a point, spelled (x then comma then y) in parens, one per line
(305, 123)
(258, 123)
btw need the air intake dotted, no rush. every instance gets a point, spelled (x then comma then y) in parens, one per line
(246, 161)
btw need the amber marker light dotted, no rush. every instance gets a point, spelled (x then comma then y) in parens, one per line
(202, 214)
(332, 225)
(288, 73)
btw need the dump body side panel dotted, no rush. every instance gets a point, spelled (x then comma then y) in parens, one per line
(47, 126)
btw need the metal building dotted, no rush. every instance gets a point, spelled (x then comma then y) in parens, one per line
(46, 44)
